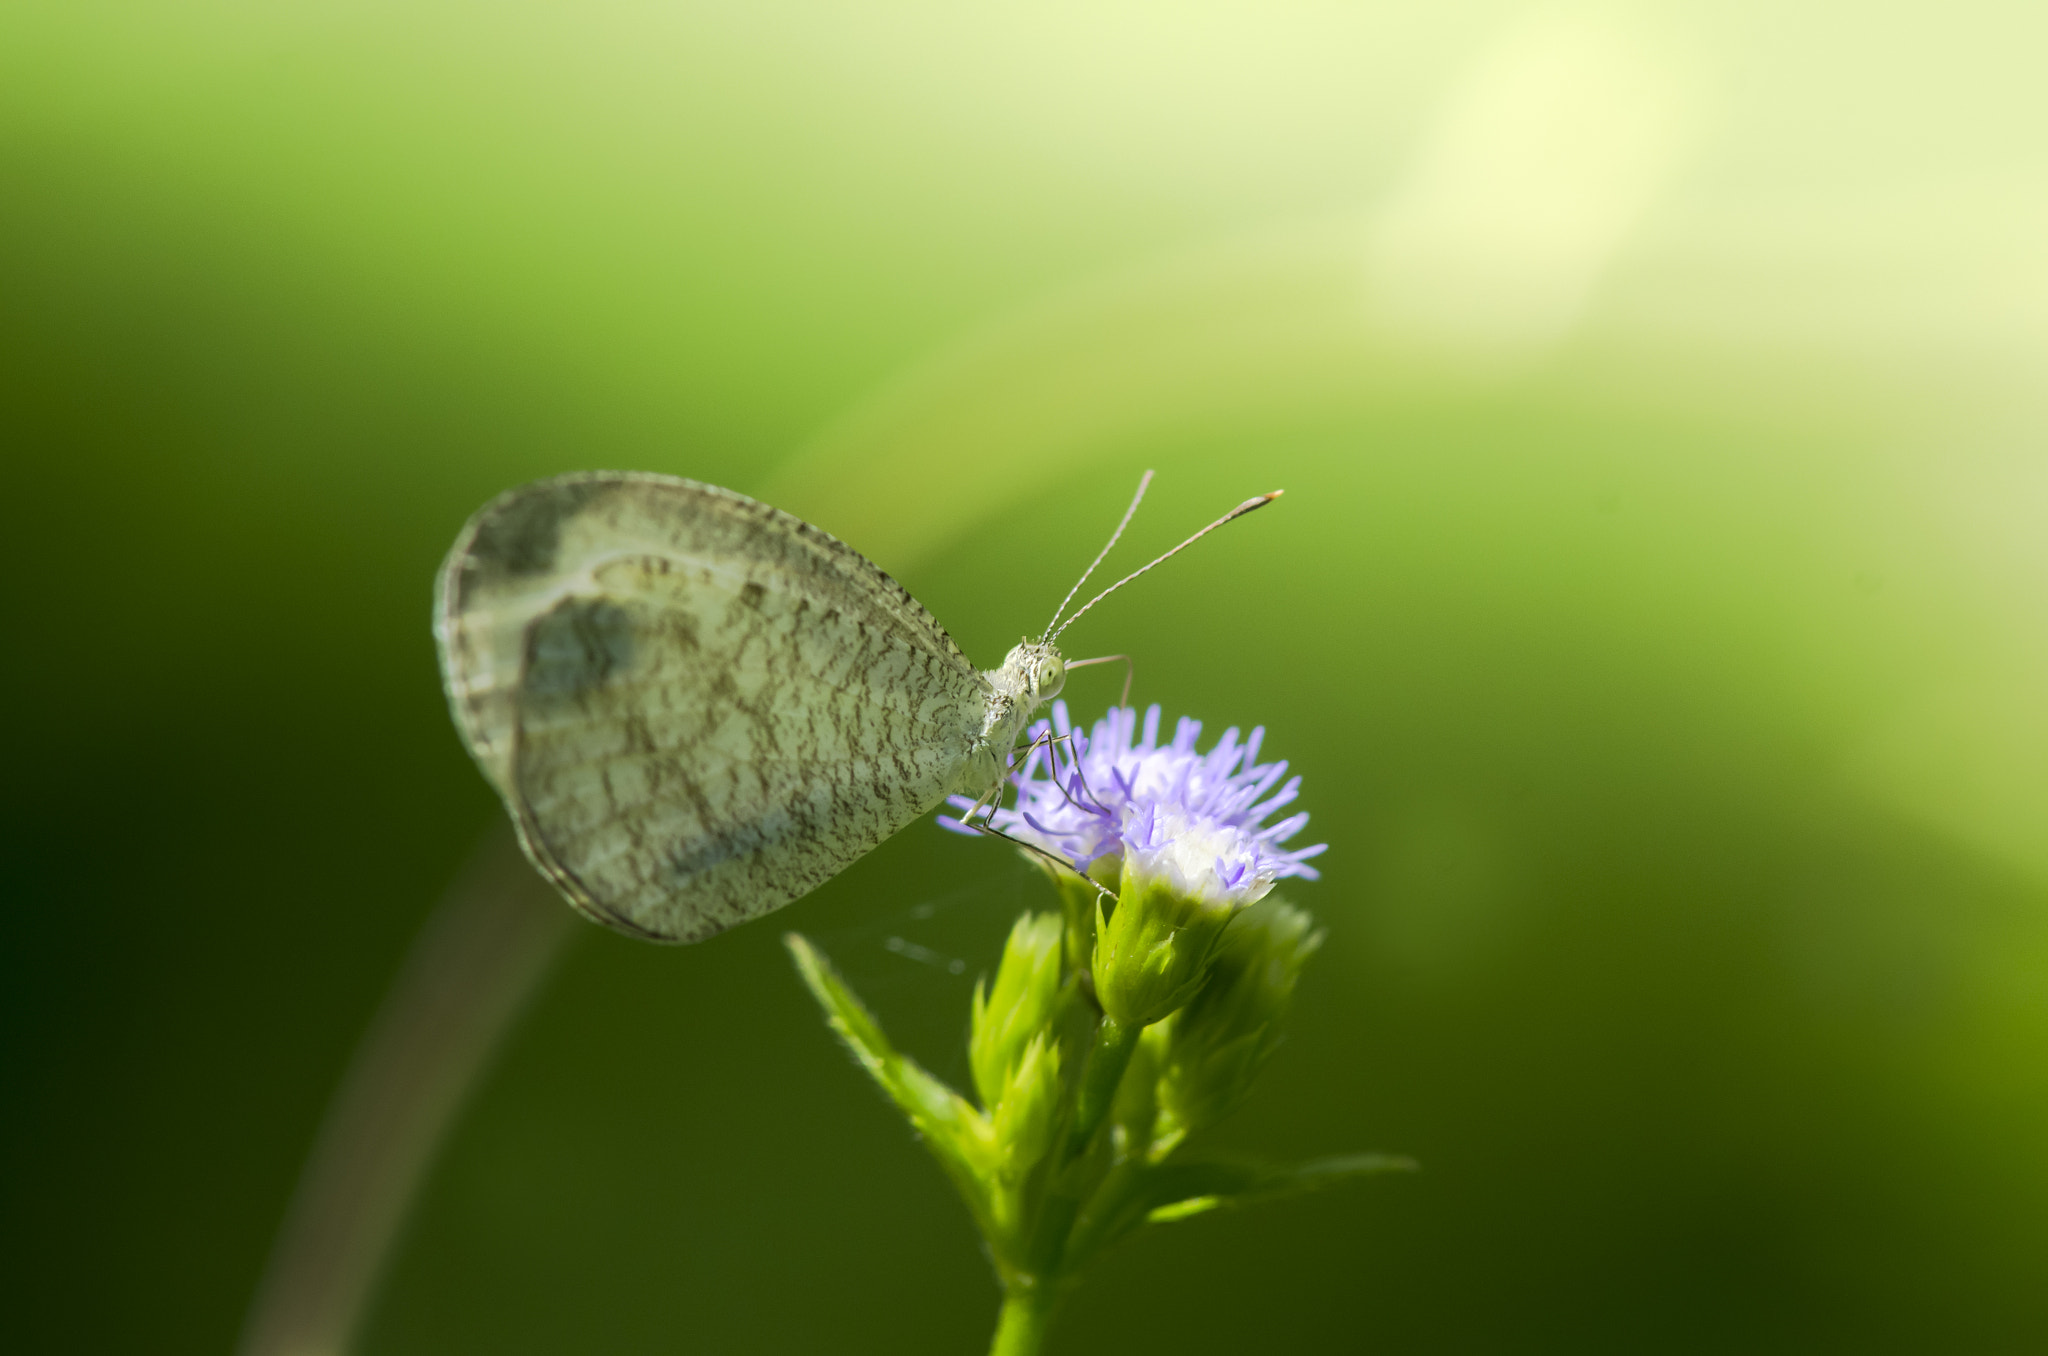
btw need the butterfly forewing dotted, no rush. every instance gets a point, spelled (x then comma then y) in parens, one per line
(696, 707)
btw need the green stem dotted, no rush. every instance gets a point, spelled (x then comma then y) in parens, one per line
(1083, 1238)
(1049, 1241)
(1114, 1046)
(1020, 1329)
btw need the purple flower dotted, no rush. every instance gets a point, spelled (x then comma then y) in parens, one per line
(1192, 822)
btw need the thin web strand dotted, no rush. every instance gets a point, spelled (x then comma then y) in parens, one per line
(1144, 483)
(1246, 507)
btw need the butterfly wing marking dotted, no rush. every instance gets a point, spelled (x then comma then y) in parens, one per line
(696, 707)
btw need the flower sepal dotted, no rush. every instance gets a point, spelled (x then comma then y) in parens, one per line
(1153, 951)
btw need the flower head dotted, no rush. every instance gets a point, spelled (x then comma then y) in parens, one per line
(1189, 822)
(1210, 1051)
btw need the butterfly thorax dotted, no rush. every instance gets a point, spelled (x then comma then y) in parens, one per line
(1031, 675)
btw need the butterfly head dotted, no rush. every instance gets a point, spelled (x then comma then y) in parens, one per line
(1033, 672)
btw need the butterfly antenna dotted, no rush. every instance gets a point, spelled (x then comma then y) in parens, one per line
(1144, 483)
(1247, 506)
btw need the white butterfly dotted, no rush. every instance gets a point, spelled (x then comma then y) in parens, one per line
(698, 708)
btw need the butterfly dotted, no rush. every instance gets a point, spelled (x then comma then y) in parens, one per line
(698, 708)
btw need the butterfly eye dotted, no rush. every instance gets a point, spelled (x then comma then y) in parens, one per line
(1047, 680)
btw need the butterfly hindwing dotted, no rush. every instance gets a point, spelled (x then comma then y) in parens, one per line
(696, 707)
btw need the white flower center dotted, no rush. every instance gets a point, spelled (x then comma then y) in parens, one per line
(1197, 858)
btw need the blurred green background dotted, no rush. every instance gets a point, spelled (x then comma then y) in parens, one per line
(1658, 614)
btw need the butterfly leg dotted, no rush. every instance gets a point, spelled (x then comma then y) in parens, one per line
(1041, 853)
(991, 799)
(987, 802)
(1094, 806)
(1066, 792)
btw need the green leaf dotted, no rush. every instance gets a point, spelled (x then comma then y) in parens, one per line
(1178, 1190)
(1162, 1193)
(957, 1134)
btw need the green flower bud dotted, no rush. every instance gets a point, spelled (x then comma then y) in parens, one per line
(1026, 1114)
(1218, 1043)
(1153, 952)
(1006, 1018)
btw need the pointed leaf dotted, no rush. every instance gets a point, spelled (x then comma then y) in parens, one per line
(958, 1135)
(1176, 1191)
(1160, 1193)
